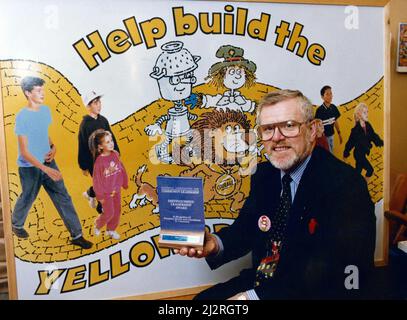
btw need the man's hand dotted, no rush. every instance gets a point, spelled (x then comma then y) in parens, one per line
(85, 172)
(52, 173)
(51, 154)
(239, 296)
(210, 247)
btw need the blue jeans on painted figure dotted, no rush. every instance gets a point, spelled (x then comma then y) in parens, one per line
(32, 179)
(330, 143)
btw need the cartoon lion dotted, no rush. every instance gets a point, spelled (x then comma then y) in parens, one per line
(227, 152)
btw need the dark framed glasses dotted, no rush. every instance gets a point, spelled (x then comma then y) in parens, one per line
(289, 129)
(184, 78)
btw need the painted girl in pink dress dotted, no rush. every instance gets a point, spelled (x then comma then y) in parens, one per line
(109, 176)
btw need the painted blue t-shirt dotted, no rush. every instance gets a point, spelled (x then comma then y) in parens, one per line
(34, 125)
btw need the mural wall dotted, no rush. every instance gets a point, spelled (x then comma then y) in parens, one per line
(169, 74)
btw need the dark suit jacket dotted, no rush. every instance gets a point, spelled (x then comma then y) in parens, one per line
(312, 262)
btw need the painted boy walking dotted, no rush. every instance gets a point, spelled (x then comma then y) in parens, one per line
(329, 115)
(37, 166)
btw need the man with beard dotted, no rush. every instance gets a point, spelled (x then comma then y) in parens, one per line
(309, 221)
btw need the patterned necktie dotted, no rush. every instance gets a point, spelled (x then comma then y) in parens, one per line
(268, 264)
(280, 219)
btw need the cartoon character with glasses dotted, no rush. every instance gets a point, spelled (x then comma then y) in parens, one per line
(174, 72)
(233, 73)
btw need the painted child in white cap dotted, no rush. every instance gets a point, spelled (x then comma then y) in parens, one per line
(90, 123)
(174, 72)
(232, 73)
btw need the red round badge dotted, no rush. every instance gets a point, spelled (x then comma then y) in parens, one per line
(264, 223)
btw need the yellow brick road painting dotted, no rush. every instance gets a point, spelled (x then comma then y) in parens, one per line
(49, 240)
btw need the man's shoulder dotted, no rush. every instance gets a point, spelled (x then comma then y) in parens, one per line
(334, 170)
(264, 171)
(265, 166)
(326, 159)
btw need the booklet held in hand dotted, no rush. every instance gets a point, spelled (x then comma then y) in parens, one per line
(181, 212)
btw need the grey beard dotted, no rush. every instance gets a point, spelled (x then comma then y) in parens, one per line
(291, 163)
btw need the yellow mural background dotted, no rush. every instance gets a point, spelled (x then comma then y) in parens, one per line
(49, 239)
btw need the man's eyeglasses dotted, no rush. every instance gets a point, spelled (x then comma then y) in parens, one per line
(288, 129)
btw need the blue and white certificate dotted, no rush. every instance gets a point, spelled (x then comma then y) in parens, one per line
(181, 211)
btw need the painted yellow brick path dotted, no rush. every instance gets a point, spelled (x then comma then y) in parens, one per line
(49, 239)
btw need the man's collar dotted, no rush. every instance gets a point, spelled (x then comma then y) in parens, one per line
(296, 174)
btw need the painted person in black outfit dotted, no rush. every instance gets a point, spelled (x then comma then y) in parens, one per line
(360, 139)
(90, 123)
(329, 115)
